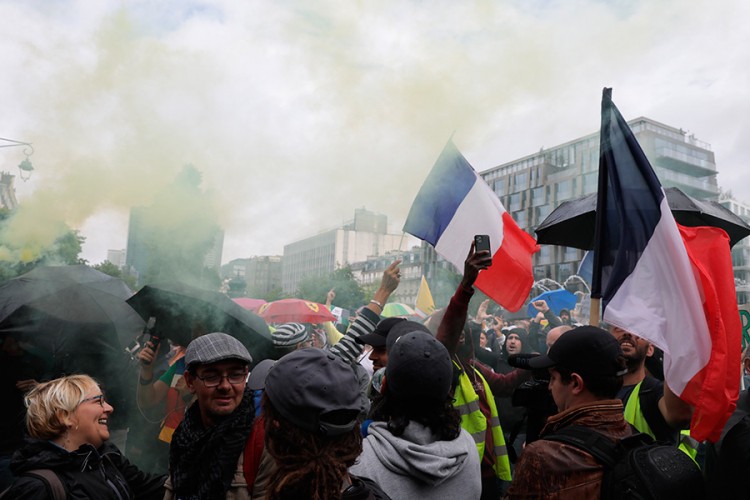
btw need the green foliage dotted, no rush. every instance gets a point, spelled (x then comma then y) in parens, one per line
(349, 295)
(110, 269)
(65, 250)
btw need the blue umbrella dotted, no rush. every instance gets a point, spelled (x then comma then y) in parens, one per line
(556, 300)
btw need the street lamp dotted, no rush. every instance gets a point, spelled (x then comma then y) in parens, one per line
(25, 167)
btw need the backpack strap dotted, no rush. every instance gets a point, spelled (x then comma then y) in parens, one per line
(51, 480)
(253, 451)
(602, 448)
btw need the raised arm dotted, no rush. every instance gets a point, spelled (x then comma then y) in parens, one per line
(348, 348)
(449, 331)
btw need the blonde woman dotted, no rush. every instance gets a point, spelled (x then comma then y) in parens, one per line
(67, 420)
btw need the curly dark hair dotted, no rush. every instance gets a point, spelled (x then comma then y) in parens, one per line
(440, 417)
(307, 465)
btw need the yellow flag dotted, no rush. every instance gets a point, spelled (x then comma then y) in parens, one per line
(425, 304)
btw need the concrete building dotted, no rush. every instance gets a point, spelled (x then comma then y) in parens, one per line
(7, 191)
(532, 186)
(262, 274)
(159, 251)
(365, 236)
(370, 272)
(117, 257)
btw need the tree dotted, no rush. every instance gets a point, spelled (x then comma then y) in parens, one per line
(65, 250)
(110, 269)
(349, 295)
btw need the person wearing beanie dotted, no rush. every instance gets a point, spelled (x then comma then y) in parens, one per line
(289, 337)
(311, 406)
(416, 447)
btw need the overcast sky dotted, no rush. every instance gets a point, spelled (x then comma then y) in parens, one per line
(298, 112)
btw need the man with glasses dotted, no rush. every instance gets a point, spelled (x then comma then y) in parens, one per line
(206, 458)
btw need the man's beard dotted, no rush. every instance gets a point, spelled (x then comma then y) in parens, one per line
(635, 360)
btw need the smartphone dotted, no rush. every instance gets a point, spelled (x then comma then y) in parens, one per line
(482, 242)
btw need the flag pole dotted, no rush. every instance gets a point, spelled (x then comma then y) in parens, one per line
(601, 207)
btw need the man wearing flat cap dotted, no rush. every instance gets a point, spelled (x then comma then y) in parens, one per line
(212, 451)
(586, 367)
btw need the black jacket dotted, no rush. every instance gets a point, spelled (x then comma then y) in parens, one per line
(85, 473)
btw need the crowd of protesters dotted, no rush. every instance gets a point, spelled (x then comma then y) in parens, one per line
(453, 407)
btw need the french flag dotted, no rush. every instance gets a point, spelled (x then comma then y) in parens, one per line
(452, 206)
(671, 285)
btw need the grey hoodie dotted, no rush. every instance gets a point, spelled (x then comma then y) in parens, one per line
(417, 465)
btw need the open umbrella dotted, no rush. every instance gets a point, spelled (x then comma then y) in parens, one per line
(63, 303)
(183, 311)
(557, 300)
(249, 304)
(77, 320)
(295, 310)
(397, 309)
(572, 223)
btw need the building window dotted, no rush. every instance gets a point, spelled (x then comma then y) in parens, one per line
(500, 187)
(538, 196)
(564, 190)
(522, 181)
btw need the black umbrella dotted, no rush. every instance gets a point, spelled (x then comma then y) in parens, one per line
(183, 311)
(69, 305)
(75, 318)
(571, 224)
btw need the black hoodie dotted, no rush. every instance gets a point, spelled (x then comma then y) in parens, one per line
(85, 473)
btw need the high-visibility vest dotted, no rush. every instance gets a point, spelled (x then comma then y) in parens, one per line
(634, 416)
(466, 401)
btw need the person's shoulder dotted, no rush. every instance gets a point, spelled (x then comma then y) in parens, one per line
(363, 488)
(27, 486)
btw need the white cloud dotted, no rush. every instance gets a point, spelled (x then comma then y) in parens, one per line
(297, 114)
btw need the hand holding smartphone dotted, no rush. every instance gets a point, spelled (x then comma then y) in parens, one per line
(482, 242)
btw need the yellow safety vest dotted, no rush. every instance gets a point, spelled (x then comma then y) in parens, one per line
(466, 401)
(634, 416)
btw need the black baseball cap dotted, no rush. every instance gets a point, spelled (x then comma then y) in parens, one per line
(586, 350)
(403, 328)
(378, 336)
(419, 368)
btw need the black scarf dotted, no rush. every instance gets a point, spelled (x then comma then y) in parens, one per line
(202, 461)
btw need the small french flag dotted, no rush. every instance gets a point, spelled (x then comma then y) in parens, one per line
(453, 205)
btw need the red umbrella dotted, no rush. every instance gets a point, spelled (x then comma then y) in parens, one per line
(295, 310)
(249, 304)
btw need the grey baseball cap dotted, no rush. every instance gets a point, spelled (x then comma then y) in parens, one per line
(313, 389)
(215, 347)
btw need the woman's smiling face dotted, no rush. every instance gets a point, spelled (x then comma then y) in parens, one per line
(90, 420)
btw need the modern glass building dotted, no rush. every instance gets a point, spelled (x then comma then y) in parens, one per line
(532, 186)
(740, 252)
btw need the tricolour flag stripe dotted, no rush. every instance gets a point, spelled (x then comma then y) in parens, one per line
(659, 301)
(455, 204)
(441, 195)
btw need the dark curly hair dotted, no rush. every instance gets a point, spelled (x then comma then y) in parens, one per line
(307, 465)
(441, 417)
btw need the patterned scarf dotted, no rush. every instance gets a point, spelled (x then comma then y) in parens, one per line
(203, 460)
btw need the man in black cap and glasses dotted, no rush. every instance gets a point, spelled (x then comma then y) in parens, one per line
(212, 448)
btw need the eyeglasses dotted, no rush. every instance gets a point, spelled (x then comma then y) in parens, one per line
(99, 399)
(214, 379)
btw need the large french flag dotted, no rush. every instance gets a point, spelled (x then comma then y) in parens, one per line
(453, 205)
(654, 285)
